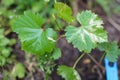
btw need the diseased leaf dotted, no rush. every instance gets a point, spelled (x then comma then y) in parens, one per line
(111, 49)
(68, 73)
(91, 32)
(34, 39)
(64, 12)
(89, 19)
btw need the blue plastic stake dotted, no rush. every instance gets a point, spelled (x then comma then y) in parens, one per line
(111, 71)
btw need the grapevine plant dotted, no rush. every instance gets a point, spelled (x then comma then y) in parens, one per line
(41, 41)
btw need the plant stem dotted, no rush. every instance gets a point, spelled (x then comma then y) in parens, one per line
(101, 59)
(96, 63)
(62, 36)
(55, 20)
(76, 62)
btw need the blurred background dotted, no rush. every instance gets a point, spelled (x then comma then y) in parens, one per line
(16, 65)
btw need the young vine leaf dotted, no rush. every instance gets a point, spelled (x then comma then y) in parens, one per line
(111, 49)
(91, 32)
(64, 12)
(56, 54)
(33, 37)
(68, 73)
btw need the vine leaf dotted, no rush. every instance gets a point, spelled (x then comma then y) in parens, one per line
(68, 73)
(64, 12)
(111, 49)
(34, 39)
(91, 32)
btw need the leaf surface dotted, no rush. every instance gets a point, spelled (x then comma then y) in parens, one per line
(34, 39)
(111, 49)
(68, 73)
(56, 54)
(91, 32)
(64, 12)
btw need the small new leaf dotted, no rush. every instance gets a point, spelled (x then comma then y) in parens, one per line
(68, 73)
(64, 12)
(56, 54)
(111, 49)
(34, 39)
(91, 32)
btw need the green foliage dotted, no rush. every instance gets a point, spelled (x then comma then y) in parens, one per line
(56, 54)
(4, 50)
(64, 12)
(48, 58)
(91, 32)
(46, 61)
(111, 49)
(68, 73)
(18, 71)
(37, 36)
(33, 37)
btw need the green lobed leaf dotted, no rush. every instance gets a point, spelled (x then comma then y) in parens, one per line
(91, 32)
(111, 49)
(68, 73)
(64, 12)
(34, 39)
(89, 19)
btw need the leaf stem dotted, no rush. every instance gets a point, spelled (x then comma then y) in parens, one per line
(76, 62)
(62, 36)
(101, 59)
(96, 62)
(55, 20)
